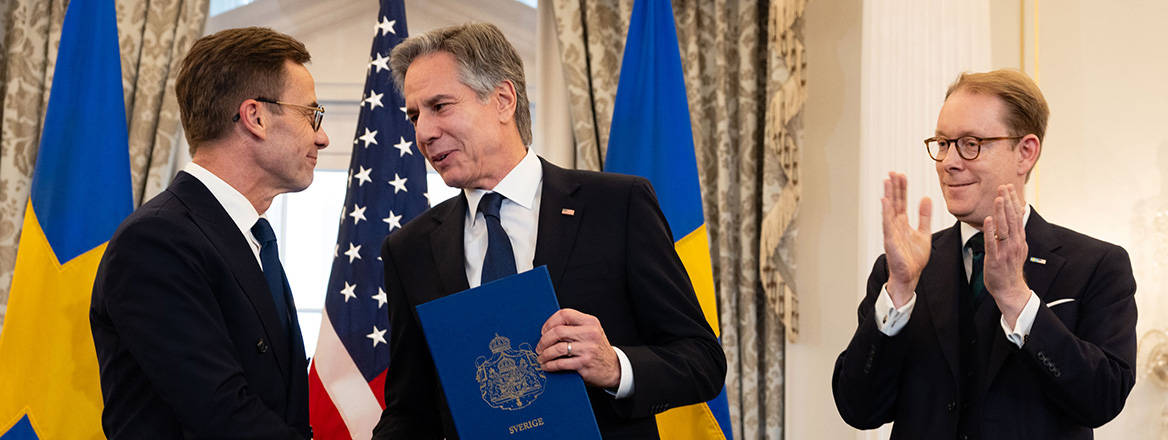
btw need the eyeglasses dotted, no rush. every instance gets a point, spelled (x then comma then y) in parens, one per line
(317, 112)
(968, 147)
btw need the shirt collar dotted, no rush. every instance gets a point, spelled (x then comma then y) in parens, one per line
(241, 211)
(520, 185)
(967, 231)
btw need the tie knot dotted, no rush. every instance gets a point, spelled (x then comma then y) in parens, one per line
(976, 243)
(490, 204)
(263, 231)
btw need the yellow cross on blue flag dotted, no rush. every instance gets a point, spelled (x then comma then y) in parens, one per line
(49, 386)
(651, 137)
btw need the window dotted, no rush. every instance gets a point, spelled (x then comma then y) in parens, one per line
(306, 226)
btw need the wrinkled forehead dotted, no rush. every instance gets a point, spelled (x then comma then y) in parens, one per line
(431, 75)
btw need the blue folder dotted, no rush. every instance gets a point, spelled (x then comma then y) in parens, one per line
(483, 344)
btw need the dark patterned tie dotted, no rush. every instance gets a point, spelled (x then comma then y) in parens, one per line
(976, 282)
(500, 259)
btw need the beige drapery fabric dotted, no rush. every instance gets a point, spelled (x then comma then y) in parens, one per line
(153, 35)
(744, 79)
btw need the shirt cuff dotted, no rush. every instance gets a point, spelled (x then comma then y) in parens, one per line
(625, 389)
(889, 319)
(1025, 321)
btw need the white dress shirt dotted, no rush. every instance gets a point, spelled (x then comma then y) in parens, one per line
(891, 319)
(521, 189)
(241, 211)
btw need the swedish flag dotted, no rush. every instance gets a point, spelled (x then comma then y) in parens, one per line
(651, 137)
(80, 193)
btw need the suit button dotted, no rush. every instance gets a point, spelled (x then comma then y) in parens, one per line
(261, 346)
(951, 406)
(963, 437)
(972, 341)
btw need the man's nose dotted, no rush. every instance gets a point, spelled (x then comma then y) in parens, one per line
(425, 129)
(322, 139)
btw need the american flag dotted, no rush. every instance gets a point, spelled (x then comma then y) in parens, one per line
(386, 188)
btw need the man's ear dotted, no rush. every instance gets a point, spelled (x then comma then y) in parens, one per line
(253, 119)
(505, 99)
(1029, 148)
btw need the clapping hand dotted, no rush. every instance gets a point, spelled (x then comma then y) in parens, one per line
(1005, 254)
(906, 248)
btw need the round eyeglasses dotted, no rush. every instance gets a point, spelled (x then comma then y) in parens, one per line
(968, 147)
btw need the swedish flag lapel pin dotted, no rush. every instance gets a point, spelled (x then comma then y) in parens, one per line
(1037, 260)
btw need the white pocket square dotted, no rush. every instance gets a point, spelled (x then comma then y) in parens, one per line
(1059, 301)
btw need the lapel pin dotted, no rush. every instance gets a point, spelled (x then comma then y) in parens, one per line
(567, 211)
(1037, 260)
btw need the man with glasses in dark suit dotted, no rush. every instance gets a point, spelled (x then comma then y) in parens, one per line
(192, 316)
(1003, 326)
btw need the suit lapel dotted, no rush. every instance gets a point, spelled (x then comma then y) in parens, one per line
(447, 247)
(941, 281)
(1039, 276)
(1040, 239)
(559, 219)
(224, 235)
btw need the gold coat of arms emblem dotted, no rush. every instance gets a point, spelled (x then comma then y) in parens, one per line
(509, 379)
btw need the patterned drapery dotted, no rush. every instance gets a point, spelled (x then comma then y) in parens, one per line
(154, 36)
(743, 63)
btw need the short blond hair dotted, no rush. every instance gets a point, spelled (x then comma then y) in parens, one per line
(1026, 109)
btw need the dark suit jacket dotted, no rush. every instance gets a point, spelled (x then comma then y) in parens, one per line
(186, 331)
(1073, 372)
(613, 259)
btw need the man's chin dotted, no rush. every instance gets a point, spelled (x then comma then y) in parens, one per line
(962, 213)
(450, 180)
(300, 185)
(968, 217)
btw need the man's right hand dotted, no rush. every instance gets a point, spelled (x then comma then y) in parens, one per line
(907, 249)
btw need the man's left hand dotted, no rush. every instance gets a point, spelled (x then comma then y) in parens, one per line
(590, 353)
(1005, 254)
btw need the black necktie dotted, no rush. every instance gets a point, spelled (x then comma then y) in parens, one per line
(273, 271)
(500, 259)
(976, 283)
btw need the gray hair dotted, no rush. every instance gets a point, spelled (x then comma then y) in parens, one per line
(485, 59)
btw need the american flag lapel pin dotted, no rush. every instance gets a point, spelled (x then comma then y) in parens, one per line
(568, 211)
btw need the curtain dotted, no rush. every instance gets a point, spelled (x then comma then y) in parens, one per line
(154, 36)
(744, 79)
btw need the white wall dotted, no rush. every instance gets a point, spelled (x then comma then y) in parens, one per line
(1104, 166)
(826, 253)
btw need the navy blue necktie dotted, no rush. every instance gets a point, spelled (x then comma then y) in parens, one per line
(273, 271)
(976, 281)
(500, 259)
